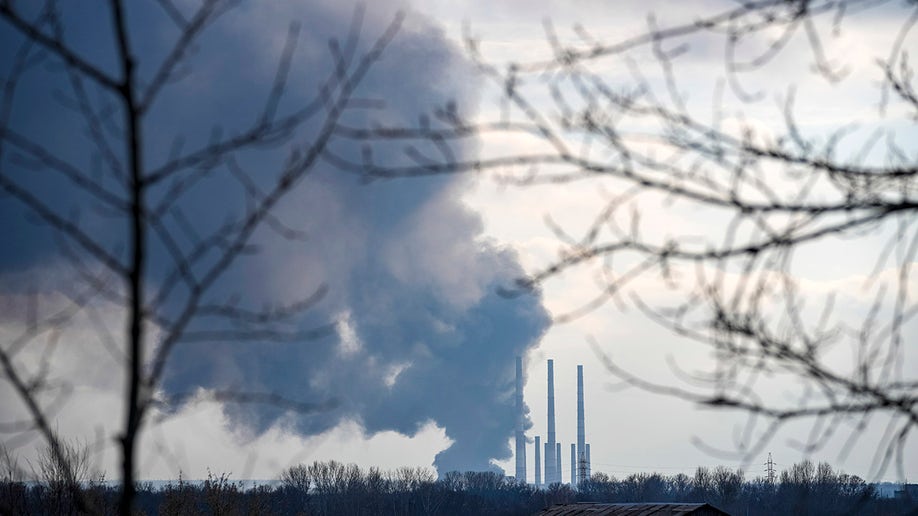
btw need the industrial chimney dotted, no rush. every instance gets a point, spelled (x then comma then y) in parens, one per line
(582, 460)
(573, 464)
(520, 420)
(552, 471)
(558, 478)
(588, 474)
(538, 463)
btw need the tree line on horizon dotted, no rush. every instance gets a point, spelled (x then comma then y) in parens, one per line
(335, 488)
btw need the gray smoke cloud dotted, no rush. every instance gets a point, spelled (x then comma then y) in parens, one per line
(421, 332)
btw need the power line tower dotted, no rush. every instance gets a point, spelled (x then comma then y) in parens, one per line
(770, 470)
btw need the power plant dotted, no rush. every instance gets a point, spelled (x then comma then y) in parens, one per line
(580, 451)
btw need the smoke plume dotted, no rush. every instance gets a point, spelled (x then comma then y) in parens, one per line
(419, 333)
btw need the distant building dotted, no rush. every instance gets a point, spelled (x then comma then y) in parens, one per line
(633, 509)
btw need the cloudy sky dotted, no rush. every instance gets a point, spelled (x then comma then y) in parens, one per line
(417, 364)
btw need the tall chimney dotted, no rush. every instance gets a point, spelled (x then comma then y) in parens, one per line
(520, 419)
(538, 464)
(552, 472)
(558, 478)
(581, 430)
(588, 467)
(573, 464)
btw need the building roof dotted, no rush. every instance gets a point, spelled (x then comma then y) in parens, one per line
(633, 509)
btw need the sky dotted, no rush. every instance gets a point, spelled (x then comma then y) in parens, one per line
(417, 364)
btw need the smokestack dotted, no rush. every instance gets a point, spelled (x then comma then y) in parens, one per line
(581, 430)
(588, 468)
(552, 471)
(558, 478)
(573, 464)
(538, 464)
(520, 419)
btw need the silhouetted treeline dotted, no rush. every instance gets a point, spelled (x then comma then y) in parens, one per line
(333, 488)
(804, 489)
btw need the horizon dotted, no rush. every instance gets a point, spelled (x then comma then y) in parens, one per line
(354, 218)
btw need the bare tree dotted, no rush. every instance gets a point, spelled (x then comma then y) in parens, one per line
(763, 197)
(297, 477)
(62, 474)
(123, 178)
(13, 491)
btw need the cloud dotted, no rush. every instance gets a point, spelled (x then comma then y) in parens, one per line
(422, 335)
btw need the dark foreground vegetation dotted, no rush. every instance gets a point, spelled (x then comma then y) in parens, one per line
(333, 488)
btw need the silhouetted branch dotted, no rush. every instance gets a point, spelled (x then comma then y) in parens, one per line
(33, 33)
(148, 198)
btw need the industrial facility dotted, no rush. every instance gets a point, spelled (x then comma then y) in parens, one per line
(580, 451)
